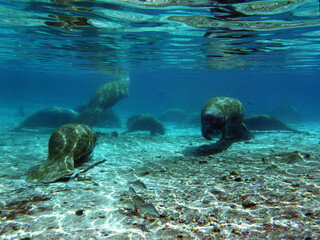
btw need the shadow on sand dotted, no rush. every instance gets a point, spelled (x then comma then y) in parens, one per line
(210, 149)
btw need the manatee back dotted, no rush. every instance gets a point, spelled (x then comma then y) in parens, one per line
(50, 117)
(147, 123)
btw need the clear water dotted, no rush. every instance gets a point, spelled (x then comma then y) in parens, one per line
(177, 54)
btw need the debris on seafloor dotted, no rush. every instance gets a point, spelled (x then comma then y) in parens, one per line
(138, 184)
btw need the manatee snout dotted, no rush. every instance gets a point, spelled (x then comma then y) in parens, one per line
(210, 125)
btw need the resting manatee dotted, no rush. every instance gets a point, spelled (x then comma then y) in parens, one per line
(131, 119)
(146, 123)
(103, 98)
(266, 123)
(224, 115)
(50, 118)
(69, 146)
(287, 113)
(174, 115)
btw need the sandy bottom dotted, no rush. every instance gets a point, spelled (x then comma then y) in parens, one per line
(266, 188)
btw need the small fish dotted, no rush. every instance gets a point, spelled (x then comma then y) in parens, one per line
(138, 201)
(145, 207)
(142, 227)
(149, 208)
(128, 204)
(132, 191)
(137, 184)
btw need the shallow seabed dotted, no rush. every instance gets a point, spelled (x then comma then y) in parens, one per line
(267, 188)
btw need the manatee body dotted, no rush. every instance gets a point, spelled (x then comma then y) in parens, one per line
(174, 115)
(224, 115)
(287, 113)
(267, 123)
(133, 118)
(50, 118)
(104, 98)
(69, 146)
(146, 123)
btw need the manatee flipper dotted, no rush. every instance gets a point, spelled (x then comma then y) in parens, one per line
(50, 171)
(237, 132)
(69, 147)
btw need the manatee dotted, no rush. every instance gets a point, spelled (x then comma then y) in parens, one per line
(146, 123)
(267, 123)
(50, 118)
(103, 98)
(287, 113)
(224, 115)
(175, 115)
(131, 119)
(69, 147)
(194, 118)
(108, 119)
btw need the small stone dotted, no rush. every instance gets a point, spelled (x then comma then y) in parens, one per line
(83, 177)
(179, 236)
(309, 214)
(114, 134)
(234, 173)
(215, 228)
(238, 179)
(145, 173)
(25, 236)
(224, 178)
(79, 212)
(295, 184)
(202, 162)
(248, 204)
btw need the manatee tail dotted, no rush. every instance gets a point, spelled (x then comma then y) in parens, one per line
(125, 132)
(16, 129)
(238, 132)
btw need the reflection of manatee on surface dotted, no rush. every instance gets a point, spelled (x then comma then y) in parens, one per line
(224, 115)
(167, 3)
(68, 22)
(69, 146)
(209, 22)
(266, 123)
(103, 98)
(147, 123)
(50, 118)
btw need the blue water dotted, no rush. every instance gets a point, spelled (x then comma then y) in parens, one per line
(264, 53)
(176, 54)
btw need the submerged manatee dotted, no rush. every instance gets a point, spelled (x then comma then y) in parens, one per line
(69, 146)
(287, 113)
(50, 118)
(224, 115)
(267, 123)
(146, 123)
(174, 115)
(104, 98)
